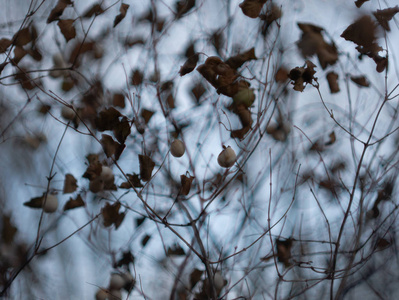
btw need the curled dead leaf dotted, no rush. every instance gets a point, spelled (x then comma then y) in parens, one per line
(122, 13)
(67, 29)
(146, 167)
(70, 184)
(186, 182)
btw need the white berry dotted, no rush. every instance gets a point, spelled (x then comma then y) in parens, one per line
(177, 148)
(116, 282)
(107, 175)
(67, 113)
(51, 204)
(227, 158)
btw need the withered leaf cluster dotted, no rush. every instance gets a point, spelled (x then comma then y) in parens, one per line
(94, 173)
(302, 76)
(224, 77)
(363, 33)
(312, 42)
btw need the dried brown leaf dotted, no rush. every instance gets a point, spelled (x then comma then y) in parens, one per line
(183, 7)
(137, 77)
(111, 215)
(195, 277)
(134, 179)
(281, 75)
(198, 90)
(8, 230)
(67, 29)
(176, 250)
(107, 119)
(146, 167)
(19, 53)
(360, 81)
(94, 10)
(238, 60)
(332, 140)
(111, 147)
(145, 240)
(385, 15)
(4, 44)
(22, 37)
(36, 202)
(74, 203)
(122, 130)
(146, 115)
(284, 251)
(363, 33)
(58, 10)
(122, 13)
(360, 2)
(186, 182)
(189, 65)
(332, 79)
(70, 184)
(118, 100)
(252, 8)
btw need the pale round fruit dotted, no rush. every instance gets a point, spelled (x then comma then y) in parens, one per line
(51, 204)
(117, 281)
(245, 97)
(218, 280)
(115, 295)
(67, 113)
(58, 60)
(177, 148)
(107, 175)
(227, 158)
(101, 294)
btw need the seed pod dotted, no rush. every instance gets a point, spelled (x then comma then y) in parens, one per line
(227, 158)
(51, 203)
(101, 294)
(177, 148)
